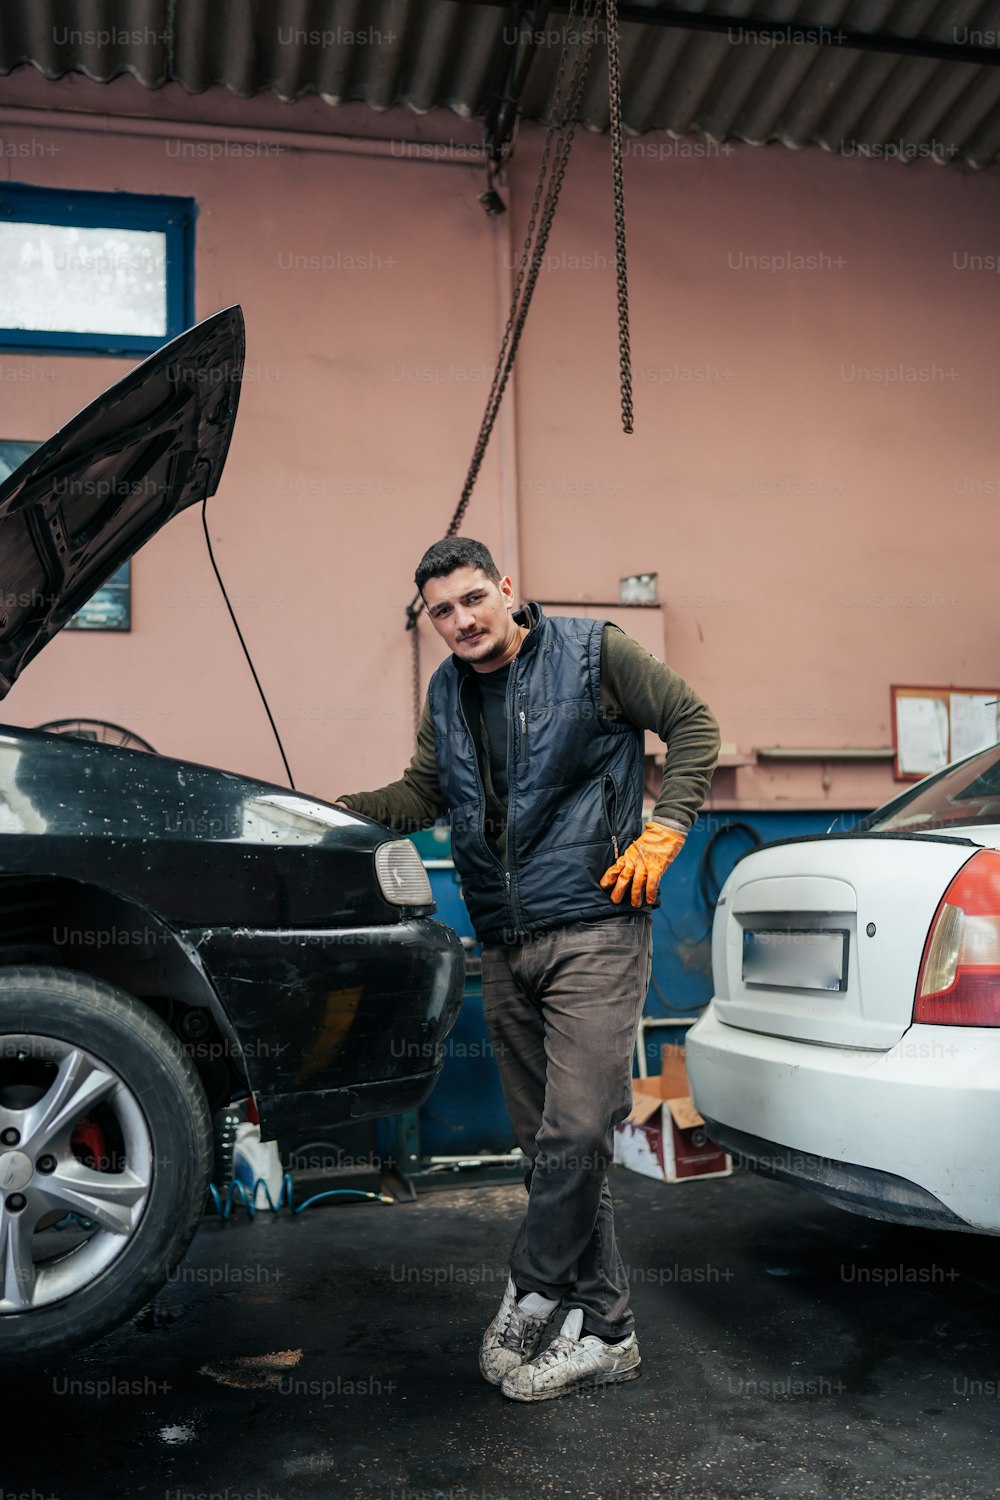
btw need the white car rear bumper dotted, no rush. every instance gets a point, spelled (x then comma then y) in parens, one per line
(927, 1111)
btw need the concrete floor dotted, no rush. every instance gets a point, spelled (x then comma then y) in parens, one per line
(789, 1349)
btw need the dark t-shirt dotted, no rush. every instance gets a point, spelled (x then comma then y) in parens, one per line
(493, 702)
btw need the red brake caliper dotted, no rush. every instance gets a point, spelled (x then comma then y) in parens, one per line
(88, 1143)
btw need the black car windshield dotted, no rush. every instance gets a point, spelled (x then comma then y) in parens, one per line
(957, 796)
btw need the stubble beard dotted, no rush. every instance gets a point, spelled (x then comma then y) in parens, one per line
(485, 651)
(488, 651)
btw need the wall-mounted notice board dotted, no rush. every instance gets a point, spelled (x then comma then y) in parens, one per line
(934, 725)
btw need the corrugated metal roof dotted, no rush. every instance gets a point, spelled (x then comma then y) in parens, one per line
(706, 71)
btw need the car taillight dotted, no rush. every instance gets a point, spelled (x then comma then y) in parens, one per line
(959, 983)
(401, 874)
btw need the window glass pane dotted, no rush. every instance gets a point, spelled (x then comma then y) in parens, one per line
(111, 607)
(56, 277)
(12, 455)
(27, 583)
(968, 794)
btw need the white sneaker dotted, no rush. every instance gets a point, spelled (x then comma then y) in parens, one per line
(512, 1337)
(572, 1363)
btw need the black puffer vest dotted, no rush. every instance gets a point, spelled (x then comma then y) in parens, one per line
(575, 782)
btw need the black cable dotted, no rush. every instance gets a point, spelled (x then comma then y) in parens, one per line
(677, 1010)
(709, 884)
(246, 653)
(707, 877)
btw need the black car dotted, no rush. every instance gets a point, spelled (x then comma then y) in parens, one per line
(172, 937)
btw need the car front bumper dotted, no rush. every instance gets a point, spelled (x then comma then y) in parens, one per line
(335, 1025)
(892, 1133)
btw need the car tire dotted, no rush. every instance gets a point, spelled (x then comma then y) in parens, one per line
(84, 1067)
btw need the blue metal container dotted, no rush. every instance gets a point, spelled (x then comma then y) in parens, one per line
(466, 1111)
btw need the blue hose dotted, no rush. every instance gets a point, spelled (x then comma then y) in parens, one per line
(286, 1197)
(238, 1191)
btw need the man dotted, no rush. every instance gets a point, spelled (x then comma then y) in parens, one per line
(531, 738)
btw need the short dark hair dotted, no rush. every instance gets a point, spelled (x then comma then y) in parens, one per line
(455, 552)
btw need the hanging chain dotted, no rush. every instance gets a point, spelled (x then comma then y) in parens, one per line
(560, 132)
(412, 617)
(567, 93)
(621, 270)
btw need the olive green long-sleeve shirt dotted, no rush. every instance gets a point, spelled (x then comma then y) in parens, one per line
(635, 685)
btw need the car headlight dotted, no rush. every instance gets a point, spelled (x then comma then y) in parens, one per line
(401, 875)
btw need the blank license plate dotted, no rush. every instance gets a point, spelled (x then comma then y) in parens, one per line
(799, 958)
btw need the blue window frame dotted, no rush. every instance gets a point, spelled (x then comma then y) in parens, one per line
(127, 262)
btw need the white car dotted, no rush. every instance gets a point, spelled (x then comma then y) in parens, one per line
(853, 1042)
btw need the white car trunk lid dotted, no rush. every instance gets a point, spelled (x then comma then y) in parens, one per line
(822, 940)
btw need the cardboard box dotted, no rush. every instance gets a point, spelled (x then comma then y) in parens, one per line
(664, 1136)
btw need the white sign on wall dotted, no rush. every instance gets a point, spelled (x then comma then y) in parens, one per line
(933, 726)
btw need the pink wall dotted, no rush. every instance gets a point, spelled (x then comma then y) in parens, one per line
(817, 535)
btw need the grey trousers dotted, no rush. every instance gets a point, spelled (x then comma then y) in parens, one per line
(562, 1009)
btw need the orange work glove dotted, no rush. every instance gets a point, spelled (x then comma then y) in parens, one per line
(643, 863)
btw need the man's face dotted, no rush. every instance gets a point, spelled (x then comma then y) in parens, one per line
(472, 614)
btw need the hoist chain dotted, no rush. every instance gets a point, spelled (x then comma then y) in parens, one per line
(412, 617)
(567, 94)
(560, 132)
(621, 271)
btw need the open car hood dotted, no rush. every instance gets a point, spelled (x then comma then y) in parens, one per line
(86, 500)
